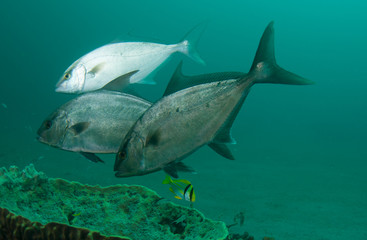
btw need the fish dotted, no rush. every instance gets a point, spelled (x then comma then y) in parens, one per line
(4, 105)
(180, 81)
(94, 122)
(178, 124)
(114, 66)
(181, 188)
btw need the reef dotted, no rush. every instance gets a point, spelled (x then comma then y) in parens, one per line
(33, 204)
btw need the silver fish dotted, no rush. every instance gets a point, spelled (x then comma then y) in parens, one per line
(116, 65)
(92, 123)
(180, 123)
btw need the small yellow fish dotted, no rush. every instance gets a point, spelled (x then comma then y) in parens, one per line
(182, 188)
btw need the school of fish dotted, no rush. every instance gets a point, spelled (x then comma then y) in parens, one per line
(147, 137)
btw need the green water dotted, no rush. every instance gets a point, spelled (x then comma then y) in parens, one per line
(300, 170)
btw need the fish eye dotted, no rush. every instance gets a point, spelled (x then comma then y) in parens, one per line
(48, 124)
(122, 155)
(67, 76)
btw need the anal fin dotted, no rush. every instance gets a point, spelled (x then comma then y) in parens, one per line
(222, 150)
(224, 135)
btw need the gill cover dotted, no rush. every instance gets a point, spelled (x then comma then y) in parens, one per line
(130, 160)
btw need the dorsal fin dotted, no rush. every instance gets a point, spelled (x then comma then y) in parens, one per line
(176, 81)
(179, 81)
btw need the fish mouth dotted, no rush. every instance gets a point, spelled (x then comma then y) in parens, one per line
(41, 139)
(59, 88)
(61, 81)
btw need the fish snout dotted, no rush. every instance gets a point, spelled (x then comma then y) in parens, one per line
(64, 88)
(40, 139)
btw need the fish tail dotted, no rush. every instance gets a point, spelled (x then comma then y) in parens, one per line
(190, 41)
(265, 68)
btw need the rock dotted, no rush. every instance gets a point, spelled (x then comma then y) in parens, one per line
(17, 227)
(121, 210)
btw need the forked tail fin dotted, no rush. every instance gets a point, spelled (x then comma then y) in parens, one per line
(265, 68)
(190, 40)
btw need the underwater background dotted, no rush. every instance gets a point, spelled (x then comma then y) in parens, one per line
(300, 170)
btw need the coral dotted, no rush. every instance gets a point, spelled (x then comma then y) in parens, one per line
(121, 210)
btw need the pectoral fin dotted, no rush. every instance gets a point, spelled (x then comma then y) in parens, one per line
(222, 150)
(153, 138)
(79, 127)
(92, 157)
(120, 83)
(94, 71)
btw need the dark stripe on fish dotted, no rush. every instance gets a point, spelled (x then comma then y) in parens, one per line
(191, 193)
(187, 187)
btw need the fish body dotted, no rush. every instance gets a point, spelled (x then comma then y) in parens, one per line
(181, 188)
(116, 65)
(94, 122)
(180, 123)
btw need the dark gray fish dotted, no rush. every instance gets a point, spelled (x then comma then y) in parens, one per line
(92, 123)
(180, 123)
(179, 81)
